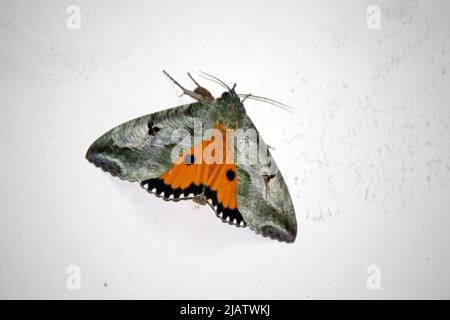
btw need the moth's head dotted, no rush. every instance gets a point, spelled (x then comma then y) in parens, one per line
(230, 96)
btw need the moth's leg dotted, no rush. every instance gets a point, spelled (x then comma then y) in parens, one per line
(200, 199)
(193, 80)
(202, 91)
(187, 92)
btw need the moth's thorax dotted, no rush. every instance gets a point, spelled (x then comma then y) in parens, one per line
(228, 111)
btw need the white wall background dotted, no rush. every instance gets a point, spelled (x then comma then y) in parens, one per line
(366, 154)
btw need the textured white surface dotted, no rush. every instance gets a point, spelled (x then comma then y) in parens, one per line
(366, 154)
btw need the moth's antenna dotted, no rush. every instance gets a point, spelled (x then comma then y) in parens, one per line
(267, 100)
(246, 96)
(217, 79)
(270, 100)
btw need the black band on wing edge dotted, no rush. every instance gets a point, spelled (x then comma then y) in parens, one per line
(158, 187)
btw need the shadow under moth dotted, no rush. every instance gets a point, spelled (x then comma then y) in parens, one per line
(208, 151)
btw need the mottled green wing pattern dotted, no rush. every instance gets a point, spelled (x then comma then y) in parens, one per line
(263, 197)
(141, 149)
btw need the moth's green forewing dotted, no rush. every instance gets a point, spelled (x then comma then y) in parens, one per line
(141, 149)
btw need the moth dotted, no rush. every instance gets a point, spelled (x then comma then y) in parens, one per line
(167, 155)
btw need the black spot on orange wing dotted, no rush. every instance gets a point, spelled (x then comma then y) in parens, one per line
(230, 175)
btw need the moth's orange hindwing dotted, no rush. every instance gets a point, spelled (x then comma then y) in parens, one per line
(195, 174)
